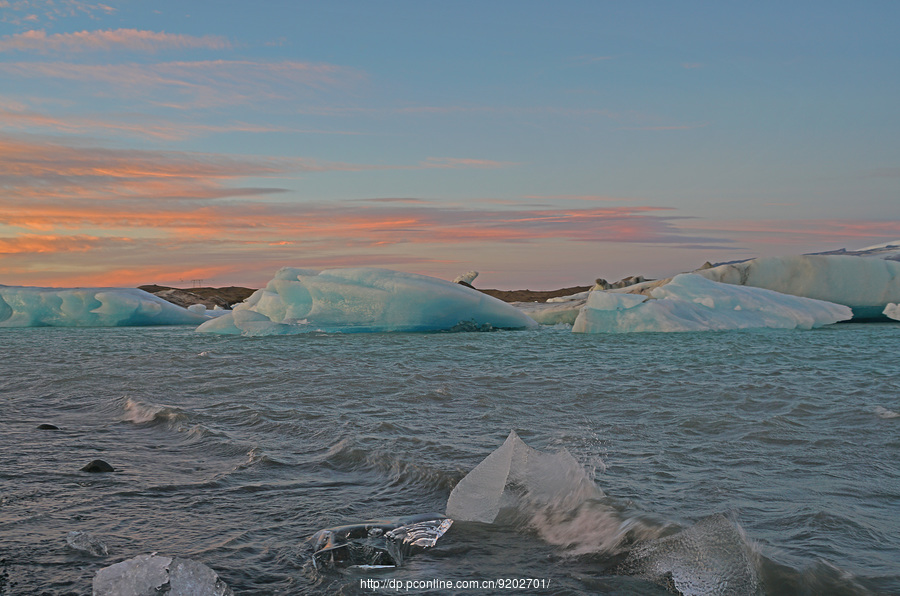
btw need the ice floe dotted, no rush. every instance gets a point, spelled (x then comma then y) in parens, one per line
(88, 307)
(867, 285)
(364, 299)
(690, 302)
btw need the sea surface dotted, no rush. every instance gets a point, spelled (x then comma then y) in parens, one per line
(232, 451)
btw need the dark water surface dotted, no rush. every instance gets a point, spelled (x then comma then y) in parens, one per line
(232, 451)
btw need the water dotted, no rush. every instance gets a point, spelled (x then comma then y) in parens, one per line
(232, 451)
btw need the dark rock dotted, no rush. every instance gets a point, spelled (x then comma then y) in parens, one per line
(98, 466)
(47, 427)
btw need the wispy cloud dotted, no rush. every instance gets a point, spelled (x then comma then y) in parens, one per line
(21, 12)
(193, 84)
(110, 39)
(17, 116)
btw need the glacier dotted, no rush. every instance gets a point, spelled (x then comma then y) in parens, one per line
(866, 285)
(690, 302)
(363, 300)
(22, 306)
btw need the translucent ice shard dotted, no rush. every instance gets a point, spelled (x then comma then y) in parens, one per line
(150, 575)
(515, 475)
(376, 543)
(710, 558)
(87, 543)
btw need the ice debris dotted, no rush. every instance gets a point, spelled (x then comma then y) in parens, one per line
(88, 307)
(150, 575)
(364, 299)
(515, 475)
(690, 302)
(710, 558)
(867, 285)
(376, 543)
(87, 543)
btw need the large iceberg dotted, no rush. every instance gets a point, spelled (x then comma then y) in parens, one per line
(693, 303)
(867, 285)
(88, 307)
(364, 299)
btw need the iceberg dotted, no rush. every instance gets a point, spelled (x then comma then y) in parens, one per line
(866, 285)
(88, 307)
(892, 311)
(690, 302)
(364, 300)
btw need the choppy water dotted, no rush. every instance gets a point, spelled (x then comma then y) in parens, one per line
(232, 451)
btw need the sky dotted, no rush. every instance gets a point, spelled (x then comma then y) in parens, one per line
(543, 144)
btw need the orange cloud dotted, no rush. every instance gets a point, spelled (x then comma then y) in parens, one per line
(129, 39)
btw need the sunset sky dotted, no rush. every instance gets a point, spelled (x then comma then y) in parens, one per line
(544, 144)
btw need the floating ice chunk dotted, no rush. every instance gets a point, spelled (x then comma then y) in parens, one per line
(467, 277)
(577, 296)
(87, 543)
(711, 558)
(88, 307)
(867, 285)
(883, 412)
(892, 311)
(352, 300)
(551, 313)
(693, 303)
(197, 308)
(150, 575)
(376, 543)
(516, 474)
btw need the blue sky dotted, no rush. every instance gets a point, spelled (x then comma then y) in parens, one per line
(543, 144)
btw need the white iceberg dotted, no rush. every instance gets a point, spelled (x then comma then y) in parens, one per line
(88, 307)
(867, 285)
(690, 302)
(364, 299)
(892, 311)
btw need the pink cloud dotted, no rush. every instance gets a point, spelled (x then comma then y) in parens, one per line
(196, 84)
(128, 39)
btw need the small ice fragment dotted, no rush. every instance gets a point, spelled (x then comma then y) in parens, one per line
(86, 543)
(153, 574)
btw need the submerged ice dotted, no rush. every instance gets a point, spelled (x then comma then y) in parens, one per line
(88, 307)
(364, 299)
(693, 303)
